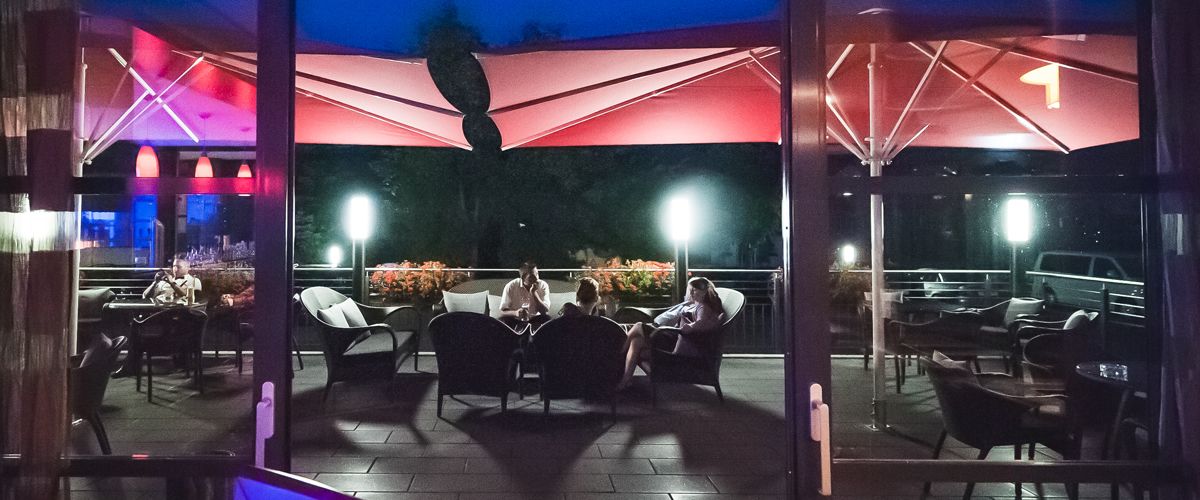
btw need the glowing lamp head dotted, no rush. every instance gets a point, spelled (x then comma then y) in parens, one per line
(358, 217)
(204, 167)
(1018, 220)
(146, 164)
(680, 219)
(244, 171)
(1046, 76)
(848, 255)
(334, 255)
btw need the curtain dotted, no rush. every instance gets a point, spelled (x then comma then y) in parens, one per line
(38, 64)
(1176, 69)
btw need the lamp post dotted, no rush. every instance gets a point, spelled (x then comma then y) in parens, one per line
(848, 255)
(333, 256)
(679, 222)
(358, 218)
(1018, 229)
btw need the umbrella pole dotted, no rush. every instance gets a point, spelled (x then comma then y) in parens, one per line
(875, 160)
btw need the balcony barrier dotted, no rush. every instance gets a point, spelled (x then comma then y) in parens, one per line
(1120, 303)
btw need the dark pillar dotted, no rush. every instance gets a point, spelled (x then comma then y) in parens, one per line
(805, 232)
(274, 216)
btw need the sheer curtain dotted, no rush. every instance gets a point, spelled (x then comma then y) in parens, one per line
(38, 63)
(1176, 61)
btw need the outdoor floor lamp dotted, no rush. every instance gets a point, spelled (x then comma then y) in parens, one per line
(358, 218)
(679, 223)
(1018, 229)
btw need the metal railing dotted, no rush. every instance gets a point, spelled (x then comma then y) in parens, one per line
(1120, 303)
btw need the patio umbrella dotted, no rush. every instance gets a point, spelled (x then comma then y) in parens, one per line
(150, 91)
(1030, 92)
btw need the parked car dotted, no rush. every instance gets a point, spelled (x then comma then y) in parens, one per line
(1076, 279)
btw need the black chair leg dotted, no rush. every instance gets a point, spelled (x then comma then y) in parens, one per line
(149, 378)
(653, 393)
(439, 413)
(546, 407)
(504, 403)
(200, 369)
(238, 354)
(101, 434)
(296, 347)
(983, 453)
(937, 452)
(325, 393)
(1017, 457)
(720, 395)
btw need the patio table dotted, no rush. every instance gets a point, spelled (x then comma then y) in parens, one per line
(124, 311)
(1130, 379)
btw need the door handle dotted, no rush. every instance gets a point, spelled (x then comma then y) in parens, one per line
(818, 418)
(264, 420)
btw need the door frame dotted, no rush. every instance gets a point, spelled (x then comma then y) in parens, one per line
(805, 229)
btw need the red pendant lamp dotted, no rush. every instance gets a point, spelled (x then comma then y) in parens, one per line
(146, 164)
(204, 166)
(244, 171)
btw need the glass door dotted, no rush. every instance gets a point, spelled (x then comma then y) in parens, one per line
(989, 300)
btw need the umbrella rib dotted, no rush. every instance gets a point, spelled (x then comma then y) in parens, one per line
(334, 102)
(164, 99)
(887, 143)
(841, 118)
(763, 72)
(987, 92)
(733, 65)
(1065, 62)
(889, 155)
(355, 88)
(846, 144)
(615, 81)
(96, 147)
(838, 63)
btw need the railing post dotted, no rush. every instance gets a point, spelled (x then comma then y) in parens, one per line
(988, 292)
(776, 310)
(1104, 306)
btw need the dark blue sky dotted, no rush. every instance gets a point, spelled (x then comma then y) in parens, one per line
(392, 26)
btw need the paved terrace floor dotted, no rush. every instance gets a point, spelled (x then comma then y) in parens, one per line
(384, 441)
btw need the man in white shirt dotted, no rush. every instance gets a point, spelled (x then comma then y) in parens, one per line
(526, 298)
(175, 286)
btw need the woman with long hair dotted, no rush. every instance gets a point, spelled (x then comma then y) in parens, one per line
(587, 300)
(697, 316)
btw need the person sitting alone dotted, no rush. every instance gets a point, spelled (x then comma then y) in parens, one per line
(698, 316)
(175, 286)
(587, 300)
(525, 298)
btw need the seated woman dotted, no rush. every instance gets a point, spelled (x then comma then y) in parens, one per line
(699, 314)
(587, 300)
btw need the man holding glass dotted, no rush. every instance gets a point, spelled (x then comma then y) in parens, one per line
(526, 298)
(176, 286)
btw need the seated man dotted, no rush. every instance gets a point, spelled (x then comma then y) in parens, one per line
(526, 298)
(175, 286)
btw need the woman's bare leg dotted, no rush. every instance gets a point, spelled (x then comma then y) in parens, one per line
(633, 353)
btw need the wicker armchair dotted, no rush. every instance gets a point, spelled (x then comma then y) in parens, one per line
(353, 349)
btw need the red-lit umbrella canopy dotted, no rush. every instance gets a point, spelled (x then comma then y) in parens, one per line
(150, 91)
(973, 96)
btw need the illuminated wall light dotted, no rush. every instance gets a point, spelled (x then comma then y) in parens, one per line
(204, 167)
(146, 164)
(1046, 76)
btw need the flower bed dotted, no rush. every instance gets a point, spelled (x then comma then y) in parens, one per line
(633, 278)
(414, 283)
